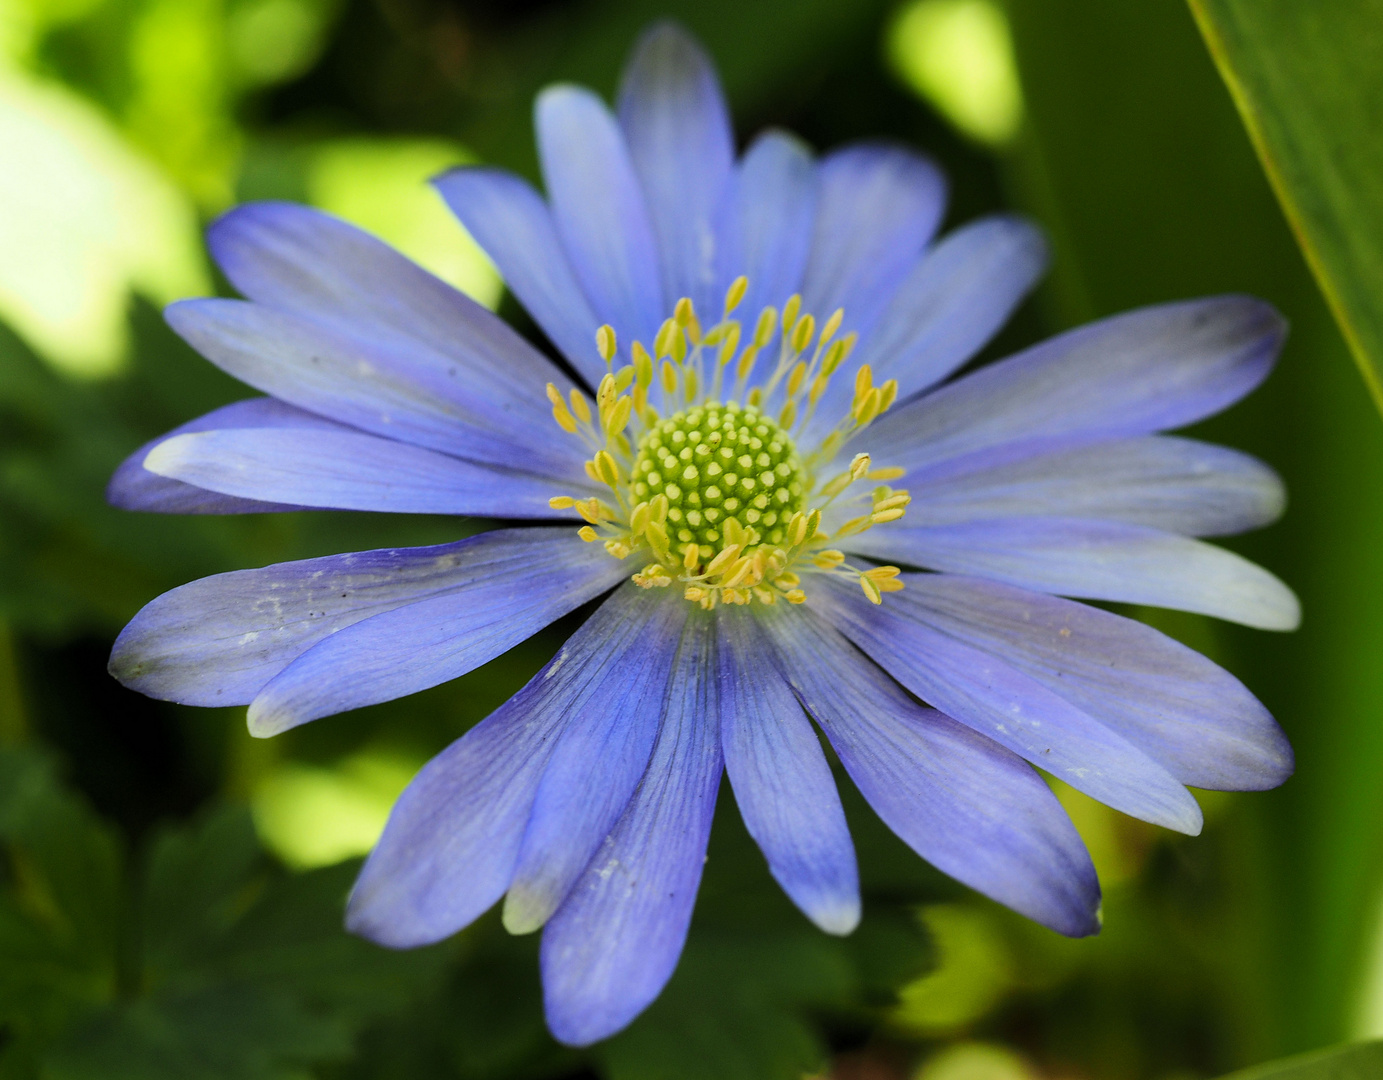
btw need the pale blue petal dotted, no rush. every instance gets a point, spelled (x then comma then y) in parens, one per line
(966, 805)
(682, 145)
(598, 762)
(1008, 706)
(611, 948)
(220, 640)
(879, 206)
(530, 578)
(452, 841)
(1148, 370)
(1159, 481)
(387, 387)
(783, 785)
(1193, 717)
(600, 212)
(349, 470)
(767, 229)
(512, 223)
(1095, 560)
(133, 487)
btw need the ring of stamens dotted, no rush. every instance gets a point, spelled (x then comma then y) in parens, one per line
(716, 492)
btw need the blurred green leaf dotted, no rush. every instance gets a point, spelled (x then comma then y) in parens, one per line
(1361, 1062)
(1307, 80)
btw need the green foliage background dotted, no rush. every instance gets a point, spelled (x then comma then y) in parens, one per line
(148, 930)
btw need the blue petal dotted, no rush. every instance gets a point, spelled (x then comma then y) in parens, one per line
(599, 210)
(1192, 717)
(133, 487)
(680, 141)
(1147, 370)
(956, 298)
(599, 761)
(1159, 481)
(878, 207)
(1008, 706)
(452, 841)
(1095, 560)
(611, 948)
(349, 470)
(767, 226)
(383, 386)
(970, 808)
(782, 783)
(531, 578)
(512, 223)
(220, 640)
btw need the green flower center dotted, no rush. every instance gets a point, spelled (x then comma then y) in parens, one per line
(714, 462)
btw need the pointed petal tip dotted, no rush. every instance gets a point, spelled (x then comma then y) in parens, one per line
(525, 910)
(840, 919)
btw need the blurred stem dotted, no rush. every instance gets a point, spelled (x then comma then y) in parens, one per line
(13, 726)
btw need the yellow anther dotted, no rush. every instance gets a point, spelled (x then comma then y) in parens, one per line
(735, 293)
(730, 343)
(618, 416)
(787, 580)
(669, 376)
(643, 364)
(618, 548)
(721, 561)
(656, 535)
(890, 472)
(561, 502)
(797, 529)
(683, 311)
(798, 376)
(658, 508)
(902, 498)
(814, 522)
(624, 378)
(881, 517)
(859, 466)
(694, 330)
(790, 310)
(882, 573)
(871, 590)
(694, 592)
(606, 467)
(605, 392)
(639, 518)
(868, 407)
(605, 342)
(795, 596)
(691, 555)
(832, 325)
(802, 332)
(662, 342)
(890, 393)
(560, 412)
(755, 397)
(590, 471)
(864, 379)
(588, 534)
(738, 574)
(679, 346)
(765, 596)
(763, 329)
(855, 525)
(788, 416)
(579, 406)
(819, 385)
(834, 355)
(836, 485)
(690, 379)
(590, 510)
(733, 532)
(746, 364)
(828, 559)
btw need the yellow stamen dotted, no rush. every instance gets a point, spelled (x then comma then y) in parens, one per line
(605, 342)
(735, 293)
(587, 534)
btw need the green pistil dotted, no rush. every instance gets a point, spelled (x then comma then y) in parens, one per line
(714, 462)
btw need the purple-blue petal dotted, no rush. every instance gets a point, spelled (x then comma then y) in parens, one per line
(1158, 481)
(219, 640)
(133, 487)
(611, 948)
(766, 228)
(1015, 710)
(513, 224)
(677, 126)
(1095, 560)
(966, 805)
(350, 470)
(449, 849)
(878, 207)
(1193, 717)
(782, 783)
(385, 386)
(1148, 370)
(517, 582)
(598, 762)
(599, 210)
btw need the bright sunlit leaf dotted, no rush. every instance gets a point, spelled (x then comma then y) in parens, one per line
(974, 971)
(1308, 82)
(83, 223)
(382, 186)
(958, 55)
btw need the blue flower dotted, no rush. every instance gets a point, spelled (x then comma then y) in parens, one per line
(746, 486)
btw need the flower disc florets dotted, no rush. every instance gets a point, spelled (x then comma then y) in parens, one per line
(715, 462)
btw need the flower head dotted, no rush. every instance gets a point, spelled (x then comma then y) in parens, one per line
(764, 426)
